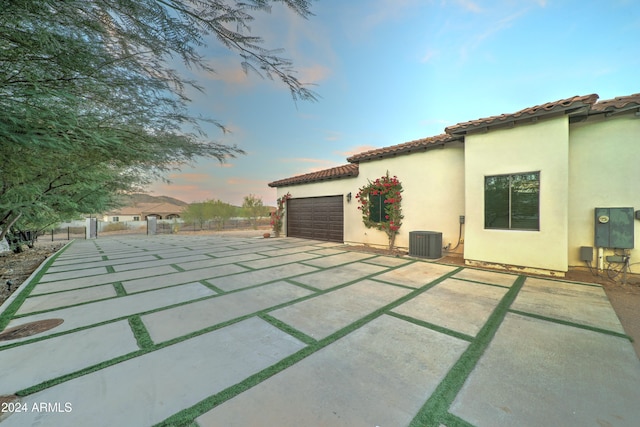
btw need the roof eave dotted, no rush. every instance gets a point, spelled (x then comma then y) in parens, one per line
(509, 122)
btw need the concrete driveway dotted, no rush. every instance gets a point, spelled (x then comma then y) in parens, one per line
(240, 331)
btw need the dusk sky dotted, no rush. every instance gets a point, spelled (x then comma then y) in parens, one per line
(391, 71)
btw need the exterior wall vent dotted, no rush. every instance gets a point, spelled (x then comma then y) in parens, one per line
(425, 244)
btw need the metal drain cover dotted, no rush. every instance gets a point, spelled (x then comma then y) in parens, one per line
(29, 329)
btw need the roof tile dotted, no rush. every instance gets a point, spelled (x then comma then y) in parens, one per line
(535, 111)
(344, 171)
(621, 102)
(404, 148)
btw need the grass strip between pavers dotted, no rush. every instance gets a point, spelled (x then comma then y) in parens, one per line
(177, 267)
(120, 290)
(285, 327)
(140, 332)
(433, 326)
(214, 288)
(435, 410)
(574, 324)
(11, 310)
(188, 415)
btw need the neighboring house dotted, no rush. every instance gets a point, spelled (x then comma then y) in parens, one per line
(529, 185)
(141, 211)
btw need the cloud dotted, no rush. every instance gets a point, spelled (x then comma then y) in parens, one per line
(356, 150)
(469, 6)
(429, 55)
(189, 177)
(186, 192)
(384, 11)
(332, 136)
(313, 74)
(492, 28)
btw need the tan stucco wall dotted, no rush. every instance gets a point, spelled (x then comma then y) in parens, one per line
(604, 172)
(335, 187)
(543, 147)
(433, 197)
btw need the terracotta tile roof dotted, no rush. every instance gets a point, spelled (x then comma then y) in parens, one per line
(404, 148)
(616, 104)
(344, 171)
(562, 105)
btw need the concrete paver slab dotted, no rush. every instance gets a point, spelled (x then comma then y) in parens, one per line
(72, 274)
(483, 276)
(85, 282)
(416, 274)
(118, 265)
(73, 260)
(387, 261)
(339, 259)
(133, 393)
(252, 278)
(63, 355)
(327, 251)
(101, 311)
(325, 314)
(540, 373)
(326, 279)
(234, 252)
(67, 298)
(455, 304)
(287, 250)
(210, 262)
(174, 322)
(279, 260)
(155, 262)
(148, 283)
(379, 375)
(583, 304)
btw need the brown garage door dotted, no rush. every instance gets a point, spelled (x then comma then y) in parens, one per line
(318, 218)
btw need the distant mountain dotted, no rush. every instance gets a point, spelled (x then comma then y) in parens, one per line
(135, 198)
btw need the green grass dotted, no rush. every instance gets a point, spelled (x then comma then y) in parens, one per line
(141, 333)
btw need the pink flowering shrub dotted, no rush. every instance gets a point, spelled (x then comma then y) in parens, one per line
(390, 190)
(278, 216)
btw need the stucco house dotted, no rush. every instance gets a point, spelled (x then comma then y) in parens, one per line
(140, 212)
(532, 190)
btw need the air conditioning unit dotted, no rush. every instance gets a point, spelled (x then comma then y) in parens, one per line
(425, 244)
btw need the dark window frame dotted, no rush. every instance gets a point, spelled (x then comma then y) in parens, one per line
(512, 201)
(377, 211)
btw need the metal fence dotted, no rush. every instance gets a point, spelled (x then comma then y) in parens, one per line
(73, 230)
(64, 233)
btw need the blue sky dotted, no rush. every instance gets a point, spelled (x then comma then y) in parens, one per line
(391, 71)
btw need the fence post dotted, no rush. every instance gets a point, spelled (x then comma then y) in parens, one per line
(52, 234)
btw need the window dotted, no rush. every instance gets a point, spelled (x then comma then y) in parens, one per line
(136, 218)
(512, 202)
(115, 219)
(376, 208)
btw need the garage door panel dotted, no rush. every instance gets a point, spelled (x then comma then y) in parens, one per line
(318, 218)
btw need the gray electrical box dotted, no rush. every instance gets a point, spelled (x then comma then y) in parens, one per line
(586, 253)
(614, 228)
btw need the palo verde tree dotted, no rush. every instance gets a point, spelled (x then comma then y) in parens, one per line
(253, 208)
(91, 106)
(210, 210)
